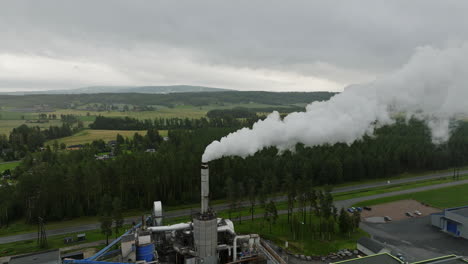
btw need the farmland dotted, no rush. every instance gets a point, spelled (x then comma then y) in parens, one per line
(89, 135)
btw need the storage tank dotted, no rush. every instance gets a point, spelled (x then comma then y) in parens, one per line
(145, 252)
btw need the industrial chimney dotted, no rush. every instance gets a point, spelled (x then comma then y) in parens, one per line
(205, 188)
(205, 224)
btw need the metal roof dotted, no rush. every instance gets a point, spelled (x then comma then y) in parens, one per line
(383, 258)
(48, 257)
(371, 244)
(461, 211)
(450, 259)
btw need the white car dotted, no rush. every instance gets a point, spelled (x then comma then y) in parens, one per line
(417, 213)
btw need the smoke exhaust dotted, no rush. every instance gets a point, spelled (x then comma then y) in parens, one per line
(431, 86)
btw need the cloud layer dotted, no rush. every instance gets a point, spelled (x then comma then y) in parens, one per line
(247, 45)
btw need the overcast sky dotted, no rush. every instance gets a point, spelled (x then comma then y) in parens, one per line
(244, 44)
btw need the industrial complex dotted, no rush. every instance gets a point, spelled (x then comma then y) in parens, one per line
(206, 239)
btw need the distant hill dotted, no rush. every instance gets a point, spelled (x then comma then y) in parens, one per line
(128, 89)
(168, 99)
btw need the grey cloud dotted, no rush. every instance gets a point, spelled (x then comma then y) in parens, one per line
(341, 41)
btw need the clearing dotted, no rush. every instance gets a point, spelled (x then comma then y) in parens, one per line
(89, 135)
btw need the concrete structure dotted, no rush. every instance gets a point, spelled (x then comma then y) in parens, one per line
(47, 257)
(369, 246)
(205, 225)
(453, 221)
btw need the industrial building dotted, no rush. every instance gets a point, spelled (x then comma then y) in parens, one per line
(206, 239)
(453, 221)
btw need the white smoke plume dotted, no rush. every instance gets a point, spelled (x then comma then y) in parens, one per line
(433, 86)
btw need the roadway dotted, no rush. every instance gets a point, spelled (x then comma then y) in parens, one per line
(220, 207)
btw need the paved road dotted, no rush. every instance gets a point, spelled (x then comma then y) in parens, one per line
(220, 207)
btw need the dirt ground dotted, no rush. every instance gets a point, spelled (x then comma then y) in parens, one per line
(396, 210)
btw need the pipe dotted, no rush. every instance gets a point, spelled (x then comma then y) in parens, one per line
(205, 187)
(241, 237)
(226, 228)
(180, 226)
(104, 250)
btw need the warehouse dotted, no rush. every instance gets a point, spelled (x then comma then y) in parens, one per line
(453, 221)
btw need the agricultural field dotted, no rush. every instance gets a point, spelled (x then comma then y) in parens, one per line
(89, 135)
(6, 126)
(440, 198)
(10, 119)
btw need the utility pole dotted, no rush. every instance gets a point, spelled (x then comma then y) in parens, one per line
(41, 233)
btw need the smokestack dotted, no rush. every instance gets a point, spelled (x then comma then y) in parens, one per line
(205, 187)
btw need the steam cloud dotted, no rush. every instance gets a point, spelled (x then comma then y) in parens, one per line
(431, 86)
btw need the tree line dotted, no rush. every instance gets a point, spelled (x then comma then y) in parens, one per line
(25, 139)
(172, 173)
(128, 123)
(167, 100)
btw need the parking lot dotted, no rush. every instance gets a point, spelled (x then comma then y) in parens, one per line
(416, 239)
(396, 210)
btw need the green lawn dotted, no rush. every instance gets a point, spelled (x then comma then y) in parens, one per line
(440, 198)
(304, 242)
(53, 242)
(396, 177)
(393, 188)
(8, 165)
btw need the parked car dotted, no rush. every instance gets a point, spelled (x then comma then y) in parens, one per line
(417, 213)
(387, 218)
(367, 208)
(351, 210)
(359, 209)
(409, 214)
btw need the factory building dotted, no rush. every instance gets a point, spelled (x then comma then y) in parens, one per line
(453, 221)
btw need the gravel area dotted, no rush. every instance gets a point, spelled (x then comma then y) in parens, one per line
(396, 210)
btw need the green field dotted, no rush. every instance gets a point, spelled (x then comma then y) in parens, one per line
(440, 198)
(89, 135)
(180, 111)
(304, 242)
(54, 242)
(6, 126)
(393, 188)
(8, 165)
